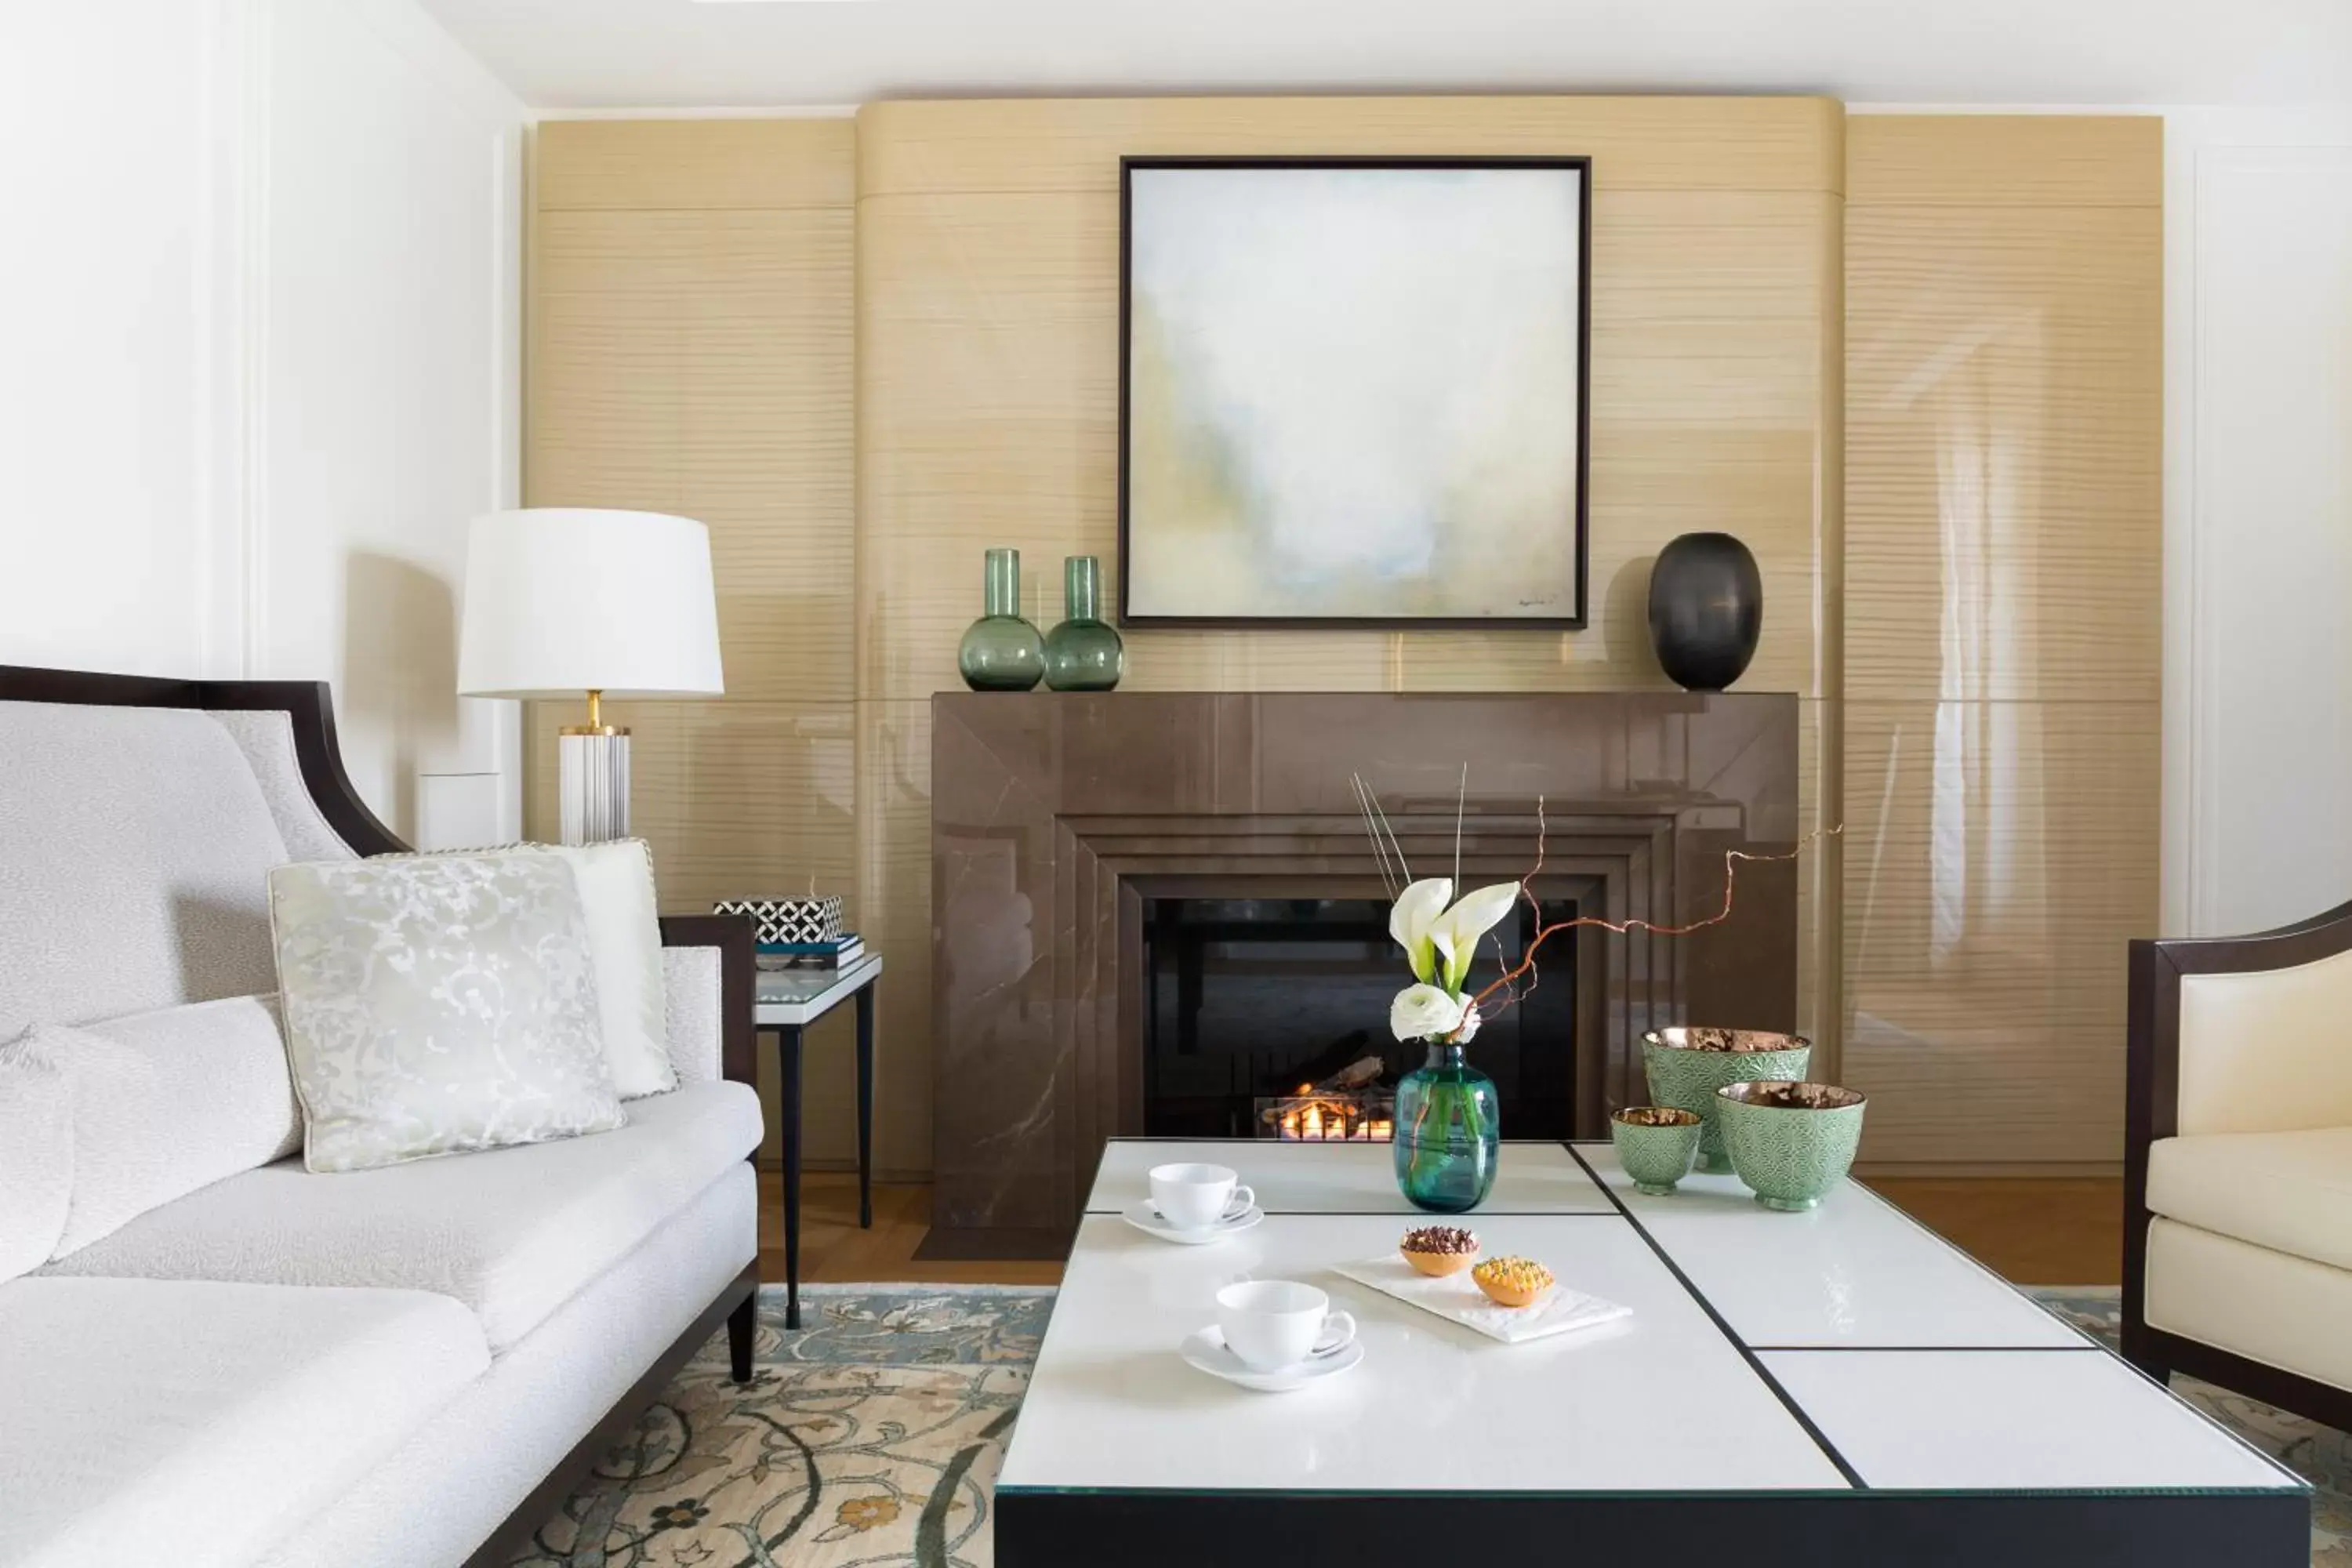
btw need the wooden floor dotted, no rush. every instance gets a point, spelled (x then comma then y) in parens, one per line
(2034, 1232)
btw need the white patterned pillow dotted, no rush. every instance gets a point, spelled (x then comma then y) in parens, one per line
(437, 1004)
(616, 890)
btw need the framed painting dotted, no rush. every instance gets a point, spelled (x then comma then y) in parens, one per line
(1352, 391)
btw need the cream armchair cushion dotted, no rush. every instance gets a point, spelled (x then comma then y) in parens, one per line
(2267, 1050)
(2291, 1192)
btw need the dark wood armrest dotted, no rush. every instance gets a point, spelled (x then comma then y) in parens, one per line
(738, 983)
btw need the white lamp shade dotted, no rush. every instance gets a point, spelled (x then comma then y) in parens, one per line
(560, 601)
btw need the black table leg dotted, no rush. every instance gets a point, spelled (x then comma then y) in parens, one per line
(865, 1106)
(788, 1039)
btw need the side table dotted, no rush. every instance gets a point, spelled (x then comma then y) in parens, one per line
(789, 1001)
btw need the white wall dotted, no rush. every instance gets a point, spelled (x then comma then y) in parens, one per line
(261, 307)
(2257, 518)
(106, 514)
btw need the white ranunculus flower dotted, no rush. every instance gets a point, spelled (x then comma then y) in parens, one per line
(1420, 1012)
(1469, 1026)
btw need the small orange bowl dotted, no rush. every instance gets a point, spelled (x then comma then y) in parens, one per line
(1513, 1281)
(1438, 1265)
(1439, 1250)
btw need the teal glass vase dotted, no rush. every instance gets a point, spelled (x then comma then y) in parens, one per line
(1001, 651)
(1448, 1133)
(1083, 653)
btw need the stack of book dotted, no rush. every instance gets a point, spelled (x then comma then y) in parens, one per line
(837, 953)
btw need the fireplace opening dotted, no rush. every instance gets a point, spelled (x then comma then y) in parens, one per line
(1268, 1018)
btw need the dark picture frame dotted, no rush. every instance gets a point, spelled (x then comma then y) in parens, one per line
(1581, 167)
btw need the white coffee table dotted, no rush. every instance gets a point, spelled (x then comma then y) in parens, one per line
(1835, 1387)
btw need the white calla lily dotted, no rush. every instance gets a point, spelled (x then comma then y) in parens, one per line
(1423, 1011)
(1459, 929)
(1413, 917)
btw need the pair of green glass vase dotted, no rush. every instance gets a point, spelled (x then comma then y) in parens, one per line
(1002, 652)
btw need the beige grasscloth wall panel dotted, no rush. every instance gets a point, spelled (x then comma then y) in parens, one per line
(988, 399)
(692, 342)
(2002, 561)
(1912, 361)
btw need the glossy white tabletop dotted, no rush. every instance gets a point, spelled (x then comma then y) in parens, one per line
(1914, 1368)
(2013, 1420)
(1641, 1408)
(1854, 1271)
(1343, 1178)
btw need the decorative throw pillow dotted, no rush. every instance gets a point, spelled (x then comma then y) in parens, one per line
(616, 889)
(616, 885)
(35, 1156)
(168, 1101)
(438, 1003)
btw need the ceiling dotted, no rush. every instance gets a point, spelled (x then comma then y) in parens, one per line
(572, 54)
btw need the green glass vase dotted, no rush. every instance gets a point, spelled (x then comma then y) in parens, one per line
(1001, 651)
(1448, 1133)
(1083, 653)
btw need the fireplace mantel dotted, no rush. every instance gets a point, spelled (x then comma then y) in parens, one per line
(1052, 815)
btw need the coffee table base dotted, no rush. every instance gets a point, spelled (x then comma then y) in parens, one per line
(1804, 1529)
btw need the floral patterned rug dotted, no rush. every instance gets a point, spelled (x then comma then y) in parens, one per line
(873, 1437)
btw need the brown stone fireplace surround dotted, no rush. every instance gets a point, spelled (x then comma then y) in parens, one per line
(1054, 817)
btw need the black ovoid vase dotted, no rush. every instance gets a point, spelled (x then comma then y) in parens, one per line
(1706, 610)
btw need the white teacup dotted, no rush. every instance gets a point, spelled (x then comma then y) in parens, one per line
(1276, 1323)
(1194, 1197)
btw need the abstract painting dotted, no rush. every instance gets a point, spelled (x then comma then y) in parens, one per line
(1353, 390)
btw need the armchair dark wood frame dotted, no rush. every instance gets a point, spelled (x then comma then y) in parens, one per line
(2152, 1111)
(307, 705)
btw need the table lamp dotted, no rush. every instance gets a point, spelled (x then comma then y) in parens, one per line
(562, 601)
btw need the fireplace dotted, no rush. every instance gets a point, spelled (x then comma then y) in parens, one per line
(1075, 837)
(1268, 1016)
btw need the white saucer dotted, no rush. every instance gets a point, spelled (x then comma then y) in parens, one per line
(1206, 1349)
(1145, 1219)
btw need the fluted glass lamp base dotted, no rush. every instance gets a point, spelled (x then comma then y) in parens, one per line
(593, 765)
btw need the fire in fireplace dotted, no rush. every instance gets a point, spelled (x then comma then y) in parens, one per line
(1344, 1117)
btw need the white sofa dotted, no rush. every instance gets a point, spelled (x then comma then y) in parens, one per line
(2238, 1167)
(407, 1366)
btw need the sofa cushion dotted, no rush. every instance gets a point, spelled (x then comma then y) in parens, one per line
(2291, 1192)
(35, 1157)
(168, 1101)
(624, 921)
(438, 1005)
(135, 842)
(193, 1424)
(512, 1233)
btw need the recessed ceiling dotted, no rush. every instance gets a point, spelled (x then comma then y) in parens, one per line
(561, 54)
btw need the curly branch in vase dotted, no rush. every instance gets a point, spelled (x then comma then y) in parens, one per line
(1507, 982)
(1440, 935)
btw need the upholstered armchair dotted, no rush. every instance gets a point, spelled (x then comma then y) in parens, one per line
(2238, 1163)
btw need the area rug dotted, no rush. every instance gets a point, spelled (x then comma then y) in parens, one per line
(872, 1436)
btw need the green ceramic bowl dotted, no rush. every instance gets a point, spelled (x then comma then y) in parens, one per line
(1791, 1141)
(1686, 1066)
(1656, 1144)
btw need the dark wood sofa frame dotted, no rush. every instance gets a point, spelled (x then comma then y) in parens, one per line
(321, 759)
(2152, 1111)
